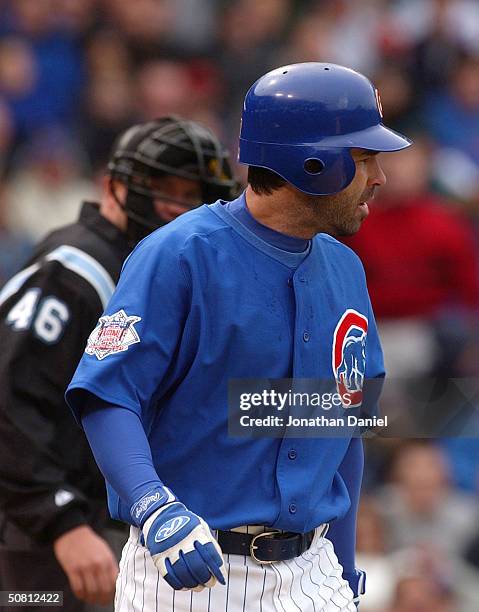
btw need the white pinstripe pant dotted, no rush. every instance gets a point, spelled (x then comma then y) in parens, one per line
(312, 582)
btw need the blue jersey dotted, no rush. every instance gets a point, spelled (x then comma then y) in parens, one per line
(200, 302)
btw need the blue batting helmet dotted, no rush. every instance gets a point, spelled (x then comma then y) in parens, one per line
(302, 120)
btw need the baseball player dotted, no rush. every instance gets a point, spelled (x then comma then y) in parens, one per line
(252, 288)
(51, 492)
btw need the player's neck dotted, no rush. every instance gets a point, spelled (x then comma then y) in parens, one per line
(284, 212)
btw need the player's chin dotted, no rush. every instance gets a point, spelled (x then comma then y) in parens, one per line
(345, 230)
(361, 214)
(349, 222)
(350, 228)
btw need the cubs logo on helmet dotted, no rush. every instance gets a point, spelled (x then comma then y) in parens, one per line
(349, 357)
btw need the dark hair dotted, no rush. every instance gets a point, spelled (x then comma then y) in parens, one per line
(264, 181)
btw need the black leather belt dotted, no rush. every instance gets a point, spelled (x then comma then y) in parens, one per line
(267, 547)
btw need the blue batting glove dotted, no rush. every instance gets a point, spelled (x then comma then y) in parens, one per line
(183, 548)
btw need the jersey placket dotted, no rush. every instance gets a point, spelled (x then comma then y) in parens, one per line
(293, 456)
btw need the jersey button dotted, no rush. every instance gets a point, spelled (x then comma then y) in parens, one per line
(306, 336)
(290, 282)
(292, 508)
(292, 454)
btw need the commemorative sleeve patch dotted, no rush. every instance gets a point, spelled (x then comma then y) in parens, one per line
(113, 334)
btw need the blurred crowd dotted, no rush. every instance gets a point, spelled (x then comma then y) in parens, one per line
(73, 73)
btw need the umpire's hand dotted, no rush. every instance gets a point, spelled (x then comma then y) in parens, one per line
(89, 564)
(183, 548)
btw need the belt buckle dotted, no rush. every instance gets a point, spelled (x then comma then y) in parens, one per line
(252, 546)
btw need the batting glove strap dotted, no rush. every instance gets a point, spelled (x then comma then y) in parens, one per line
(357, 582)
(183, 548)
(149, 503)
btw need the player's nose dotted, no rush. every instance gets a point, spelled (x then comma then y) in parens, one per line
(377, 178)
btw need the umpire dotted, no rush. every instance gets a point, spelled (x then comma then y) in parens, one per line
(52, 530)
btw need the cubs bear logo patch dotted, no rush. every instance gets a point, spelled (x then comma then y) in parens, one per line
(113, 334)
(349, 357)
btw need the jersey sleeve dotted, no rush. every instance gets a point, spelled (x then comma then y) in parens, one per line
(45, 317)
(131, 473)
(342, 532)
(374, 373)
(128, 360)
(374, 353)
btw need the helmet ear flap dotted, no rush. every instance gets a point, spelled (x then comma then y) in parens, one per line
(310, 169)
(338, 172)
(324, 172)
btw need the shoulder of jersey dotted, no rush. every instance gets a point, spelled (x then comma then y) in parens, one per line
(197, 222)
(336, 247)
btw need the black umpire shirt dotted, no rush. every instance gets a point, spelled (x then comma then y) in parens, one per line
(49, 482)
